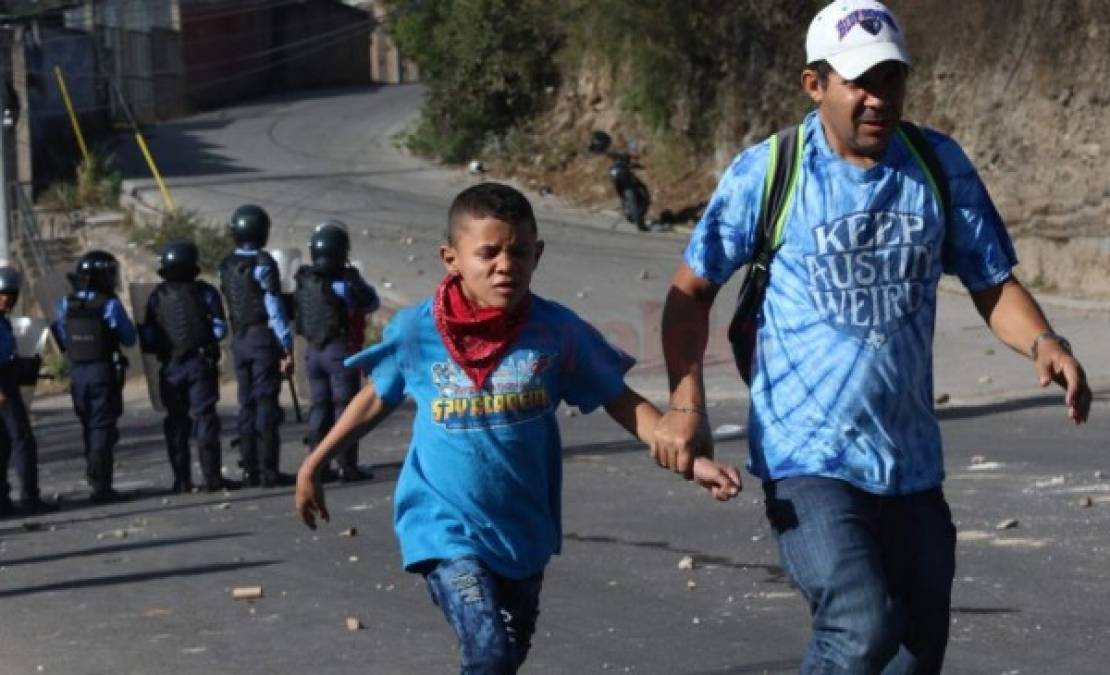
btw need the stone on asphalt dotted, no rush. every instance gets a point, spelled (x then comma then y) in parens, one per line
(246, 592)
(686, 563)
(1008, 524)
(354, 624)
(349, 532)
(943, 399)
(1086, 502)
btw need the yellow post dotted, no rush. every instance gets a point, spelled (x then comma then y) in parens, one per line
(166, 198)
(72, 114)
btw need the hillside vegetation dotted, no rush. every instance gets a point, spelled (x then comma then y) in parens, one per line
(688, 83)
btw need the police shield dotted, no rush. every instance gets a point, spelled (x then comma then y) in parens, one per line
(288, 260)
(49, 289)
(30, 340)
(140, 294)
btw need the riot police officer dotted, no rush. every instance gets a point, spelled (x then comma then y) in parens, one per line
(183, 327)
(16, 435)
(332, 301)
(92, 326)
(262, 344)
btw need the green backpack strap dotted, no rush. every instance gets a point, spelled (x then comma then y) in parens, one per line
(926, 158)
(783, 166)
(783, 163)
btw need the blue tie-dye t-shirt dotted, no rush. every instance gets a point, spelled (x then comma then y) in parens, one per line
(843, 375)
(483, 476)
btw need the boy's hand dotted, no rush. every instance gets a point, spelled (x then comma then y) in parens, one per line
(308, 499)
(722, 480)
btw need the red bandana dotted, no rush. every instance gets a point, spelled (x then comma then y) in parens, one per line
(476, 337)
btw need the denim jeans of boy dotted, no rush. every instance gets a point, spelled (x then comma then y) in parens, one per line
(876, 571)
(493, 616)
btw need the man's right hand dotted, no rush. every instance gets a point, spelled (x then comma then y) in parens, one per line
(285, 365)
(679, 437)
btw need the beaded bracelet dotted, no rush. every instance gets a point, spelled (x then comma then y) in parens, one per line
(696, 411)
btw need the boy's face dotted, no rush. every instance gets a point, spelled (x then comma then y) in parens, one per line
(494, 259)
(7, 300)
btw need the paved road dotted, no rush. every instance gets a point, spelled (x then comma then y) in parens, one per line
(144, 587)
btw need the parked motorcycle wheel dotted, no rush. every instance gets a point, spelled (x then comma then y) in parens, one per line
(635, 201)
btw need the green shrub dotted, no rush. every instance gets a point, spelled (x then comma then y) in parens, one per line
(213, 241)
(487, 64)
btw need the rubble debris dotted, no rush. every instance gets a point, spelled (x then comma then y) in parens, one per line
(1008, 524)
(686, 563)
(943, 398)
(246, 592)
(1086, 502)
(349, 532)
(354, 624)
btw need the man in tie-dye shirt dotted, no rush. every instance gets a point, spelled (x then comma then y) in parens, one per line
(842, 428)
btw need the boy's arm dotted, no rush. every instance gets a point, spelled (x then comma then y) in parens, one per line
(639, 417)
(635, 413)
(362, 414)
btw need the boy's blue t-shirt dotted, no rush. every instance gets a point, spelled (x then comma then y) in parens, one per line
(843, 374)
(483, 475)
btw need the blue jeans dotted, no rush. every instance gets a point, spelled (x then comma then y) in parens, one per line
(877, 573)
(493, 616)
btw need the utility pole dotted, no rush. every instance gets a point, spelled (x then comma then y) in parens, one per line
(8, 112)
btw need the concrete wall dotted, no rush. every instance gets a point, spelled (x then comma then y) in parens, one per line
(232, 53)
(47, 146)
(387, 64)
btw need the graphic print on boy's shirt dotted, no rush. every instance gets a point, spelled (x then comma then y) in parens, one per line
(514, 393)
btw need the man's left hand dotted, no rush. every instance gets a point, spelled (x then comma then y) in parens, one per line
(1055, 364)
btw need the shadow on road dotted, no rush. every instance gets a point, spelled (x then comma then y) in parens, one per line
(138, 577)
(118, 548)
(700, 559)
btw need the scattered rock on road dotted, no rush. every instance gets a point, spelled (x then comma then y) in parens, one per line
(1008, 524)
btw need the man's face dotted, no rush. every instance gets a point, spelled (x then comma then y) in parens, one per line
(860, 115)
(495, 260)
(7, 301)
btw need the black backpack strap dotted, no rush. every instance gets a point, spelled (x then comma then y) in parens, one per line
(922, 151)
(777, 191)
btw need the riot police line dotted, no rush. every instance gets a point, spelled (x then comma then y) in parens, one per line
(180, 324)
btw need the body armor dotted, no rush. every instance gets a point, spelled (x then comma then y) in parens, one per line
(183, 318)
(88, 336)
(245, 298)
(321, 316)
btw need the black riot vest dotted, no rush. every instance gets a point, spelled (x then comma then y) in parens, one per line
(245, 304)
(321, 316)
(183, 318)
(88, 337)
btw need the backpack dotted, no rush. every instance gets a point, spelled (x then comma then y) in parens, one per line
(783, 167)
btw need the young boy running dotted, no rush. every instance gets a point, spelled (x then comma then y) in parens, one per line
(477, 505)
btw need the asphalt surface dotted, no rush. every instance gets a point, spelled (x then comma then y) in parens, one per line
(145, 586)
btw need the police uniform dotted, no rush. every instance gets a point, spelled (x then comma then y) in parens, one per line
(183, 327)
(330, 312)
(92, 326)
(261, 337)
(16, 437)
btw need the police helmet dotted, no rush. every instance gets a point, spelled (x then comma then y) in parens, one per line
(329, 246)
(180, 261)
(98, 271)
(11, 282)
(250, 226)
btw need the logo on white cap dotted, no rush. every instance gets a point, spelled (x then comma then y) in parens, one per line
(855, 35)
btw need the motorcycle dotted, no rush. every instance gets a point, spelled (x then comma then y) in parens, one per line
(631, 191)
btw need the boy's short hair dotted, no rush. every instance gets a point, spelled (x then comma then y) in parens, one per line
(491, 200)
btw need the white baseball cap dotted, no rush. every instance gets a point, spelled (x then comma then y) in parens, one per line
(855, 35)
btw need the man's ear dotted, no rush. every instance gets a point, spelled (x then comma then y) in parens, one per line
(811, 84)
(450, 257)
(539, 251)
